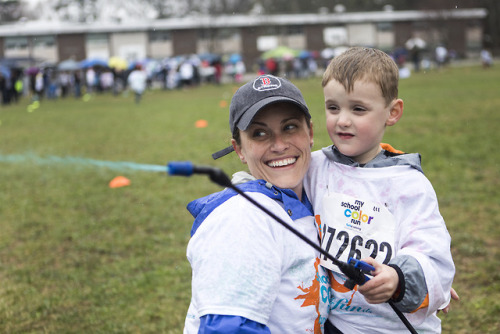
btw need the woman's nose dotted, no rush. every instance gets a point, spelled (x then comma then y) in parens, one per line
(279, 143)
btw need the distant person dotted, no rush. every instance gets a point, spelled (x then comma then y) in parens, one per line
(312, 67)
(90, 78)
(486, 58)
(218, 71)
(239, 71)
(375, 204)
(186, 73)
(39, 86)
(441, 56)
(137, 81)
(415, 46)
(77, 84)
(3, 89)
(65, 83)
(18, 85)
(272, 66)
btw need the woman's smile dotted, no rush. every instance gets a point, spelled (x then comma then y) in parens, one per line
(281, 162)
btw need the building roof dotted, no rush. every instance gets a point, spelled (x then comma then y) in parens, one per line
(37, 28)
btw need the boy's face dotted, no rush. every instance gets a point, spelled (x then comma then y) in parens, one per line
(277, 146)
(356, 121)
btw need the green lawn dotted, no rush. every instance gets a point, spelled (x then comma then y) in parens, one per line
(79, 257)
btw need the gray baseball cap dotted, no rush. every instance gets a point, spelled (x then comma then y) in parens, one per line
(255, 95)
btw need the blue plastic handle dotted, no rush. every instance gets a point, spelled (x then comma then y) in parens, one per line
(184, 168)
(363, 266)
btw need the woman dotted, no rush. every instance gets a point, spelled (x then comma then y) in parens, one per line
(250, 274)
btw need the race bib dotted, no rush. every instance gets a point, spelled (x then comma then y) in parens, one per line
(353, 227)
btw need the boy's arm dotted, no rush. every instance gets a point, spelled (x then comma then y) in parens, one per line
(423, 256)
(411, 293)
(389, 282)
(402, 281)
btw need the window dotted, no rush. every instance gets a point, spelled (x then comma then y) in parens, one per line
(43, 41)
(294, 30)
(97, 39)
(384, 26)
(159, 36)
(16, 43)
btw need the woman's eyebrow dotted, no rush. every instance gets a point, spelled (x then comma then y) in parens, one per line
(283, 121)
(258, 123)
(290, 119)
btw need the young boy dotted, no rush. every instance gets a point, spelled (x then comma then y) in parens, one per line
(374, 203)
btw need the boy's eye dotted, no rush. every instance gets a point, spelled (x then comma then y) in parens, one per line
(332, 108)
(359, 109)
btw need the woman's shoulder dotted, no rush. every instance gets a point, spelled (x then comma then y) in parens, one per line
(228, 206)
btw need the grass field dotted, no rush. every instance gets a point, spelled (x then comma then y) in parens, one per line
(79, 257)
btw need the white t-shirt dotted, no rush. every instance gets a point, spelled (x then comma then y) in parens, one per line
(392, 211)
(246, 264)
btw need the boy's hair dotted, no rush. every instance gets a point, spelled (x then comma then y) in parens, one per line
(369, 64)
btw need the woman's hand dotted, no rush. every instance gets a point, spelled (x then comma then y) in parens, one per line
(382, 286)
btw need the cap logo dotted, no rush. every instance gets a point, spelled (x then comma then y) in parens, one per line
(266, 82)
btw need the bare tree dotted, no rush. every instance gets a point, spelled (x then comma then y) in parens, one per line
(10, 10)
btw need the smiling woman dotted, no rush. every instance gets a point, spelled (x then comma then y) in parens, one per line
(277, 146)
(251, 275)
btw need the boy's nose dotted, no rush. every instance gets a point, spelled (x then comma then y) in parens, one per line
(343, 119)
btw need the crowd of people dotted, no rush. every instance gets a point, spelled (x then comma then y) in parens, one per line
(51, 82)
(181, 72)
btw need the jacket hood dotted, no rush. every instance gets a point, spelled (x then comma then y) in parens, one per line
(384, 159)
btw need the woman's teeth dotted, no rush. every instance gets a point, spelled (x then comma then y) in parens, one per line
(281, 163)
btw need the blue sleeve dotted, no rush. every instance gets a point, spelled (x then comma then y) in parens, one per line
(230, 324)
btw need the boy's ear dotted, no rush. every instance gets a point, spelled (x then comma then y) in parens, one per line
(237, 149)
(395, 113)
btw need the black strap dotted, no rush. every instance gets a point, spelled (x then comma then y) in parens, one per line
(221, 153)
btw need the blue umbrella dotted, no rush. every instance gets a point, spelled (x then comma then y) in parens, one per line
(304, 54)
(5, 71)
(234, 58)
(91, 62)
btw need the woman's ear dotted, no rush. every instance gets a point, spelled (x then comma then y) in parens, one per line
(237, 149)
(395, 112)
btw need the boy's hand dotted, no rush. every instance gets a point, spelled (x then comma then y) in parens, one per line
(382, 286)
(454, 296)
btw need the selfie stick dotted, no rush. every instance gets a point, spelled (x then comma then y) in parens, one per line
(355, 270)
